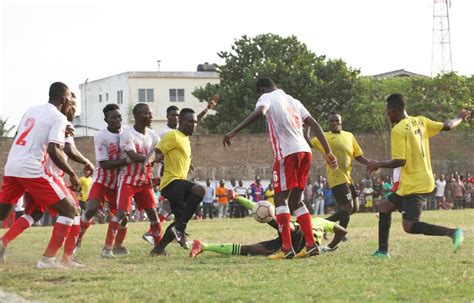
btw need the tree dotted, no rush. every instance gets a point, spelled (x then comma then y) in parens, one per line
(5, 129)
(321, 85)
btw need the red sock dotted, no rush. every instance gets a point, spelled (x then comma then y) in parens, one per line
(304, 219)
(283, 219)
(155, 229)
(161, 217)
(83, 228)
(122, 232)
(60, 232)
(111, 233)
(70, 243)
(16, 229)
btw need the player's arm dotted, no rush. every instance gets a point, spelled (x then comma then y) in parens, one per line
(210, 105)
(453, 123)
(318, 131)
(58, 157)
(135, 157)
(398, 142)
(254, 116)
(75, 155)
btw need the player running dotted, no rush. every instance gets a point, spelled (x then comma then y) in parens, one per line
(285, 117)
(345, 147)
(41, 135)
(108, 162)
(411, 158)
(33, 212)
(135, 180)
(267, 248)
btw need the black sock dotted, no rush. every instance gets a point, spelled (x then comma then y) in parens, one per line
(344, 218)
(334, 217)
(190, 206)
(165, 240)
(430, 229)
(385, 221)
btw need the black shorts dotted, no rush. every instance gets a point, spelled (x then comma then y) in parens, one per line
(410, 206)
(297, 239)
(344, 193)
(177, 192)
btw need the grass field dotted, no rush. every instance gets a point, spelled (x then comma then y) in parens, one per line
(421, 268)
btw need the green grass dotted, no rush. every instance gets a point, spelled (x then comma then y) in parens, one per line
(421, 268)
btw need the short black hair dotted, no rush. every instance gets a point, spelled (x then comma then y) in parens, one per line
(73, 95)
(397, 102)
(138, 107)
(265, 82)
(170, 109)
(110, 107)
(57, 90)
(185, 111)
(334, 113)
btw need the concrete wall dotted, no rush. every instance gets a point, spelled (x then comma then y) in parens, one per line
(251, 155)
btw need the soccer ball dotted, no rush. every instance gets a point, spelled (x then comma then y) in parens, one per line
(263, 211)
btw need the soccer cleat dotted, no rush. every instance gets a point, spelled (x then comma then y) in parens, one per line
(48, 263)
(308, 252)
(158, 252)
(282, 255)
(458, 238)
(327, 249)
(120, 251)
(180, 237)
(196, 249)
(3, 253)
(107, 253)
(72, 263)
(148, 237)
(381, 254)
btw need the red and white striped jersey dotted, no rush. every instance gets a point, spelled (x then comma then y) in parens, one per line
(130, 140)
(40, 125)
(50, 168)
(107, 147)
(285, 118)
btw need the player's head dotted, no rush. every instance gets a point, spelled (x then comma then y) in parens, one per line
(241, 183)
(142, 114)
(112, 117)
(396, 105)
(208, 181)
(335, 122)
(187, 121)
(222, 182)
(265, 85)
(172, 114)
(71, 110)
(60, 96)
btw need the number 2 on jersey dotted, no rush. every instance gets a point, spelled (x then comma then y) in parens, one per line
(29, 123)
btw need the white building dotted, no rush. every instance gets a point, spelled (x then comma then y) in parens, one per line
(158, 89)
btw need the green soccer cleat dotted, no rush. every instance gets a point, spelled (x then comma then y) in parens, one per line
(458, 238)
(381, 254)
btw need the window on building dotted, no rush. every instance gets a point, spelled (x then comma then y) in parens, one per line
(146, 95)
(100, 98)
(106, 96)
(177, 95)
(119, 97)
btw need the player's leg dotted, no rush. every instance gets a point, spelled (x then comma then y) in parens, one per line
(124, 205)
(344, 201)
(96, 198)
(145, 199)
(387, 206)
(412, 206)
(339, 234)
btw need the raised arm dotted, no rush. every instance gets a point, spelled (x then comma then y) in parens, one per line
(210, 105)
(453, 123)
(254, 116)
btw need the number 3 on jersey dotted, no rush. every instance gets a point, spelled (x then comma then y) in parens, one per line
(29, 123)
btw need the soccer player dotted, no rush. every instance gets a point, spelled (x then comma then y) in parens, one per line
(411, 158)
(41, 134)
(108, 162)
(285, 117)
(33, 212)
(184, 196)
(135, 180)
(345, 147)
(266, 248)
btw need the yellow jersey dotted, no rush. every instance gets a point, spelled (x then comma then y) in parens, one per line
(85, 183)
(345, 147)
(176, 149)
(410, 142)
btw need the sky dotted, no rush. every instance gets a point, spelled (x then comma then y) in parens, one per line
(71, 41)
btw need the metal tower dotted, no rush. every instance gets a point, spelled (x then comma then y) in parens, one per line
(441, 61)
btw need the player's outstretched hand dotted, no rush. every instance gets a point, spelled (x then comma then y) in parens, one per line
(373, 166)
(227, 138)
(213, 102)
(464, 114)
(331, 160)
(74, 183)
